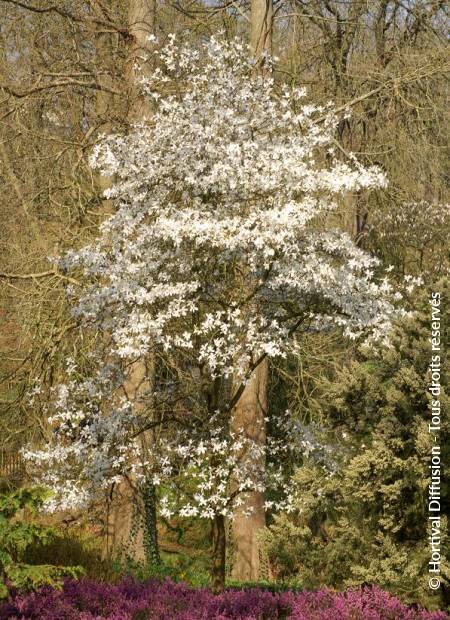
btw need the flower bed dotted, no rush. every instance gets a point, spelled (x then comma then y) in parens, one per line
(153, 600)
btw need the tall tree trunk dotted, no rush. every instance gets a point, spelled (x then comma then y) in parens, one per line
(132, 516)
(248, 520)
(250, 411)
(151, 546)
(141, 24)
(218, 554)
(132, 522)
(261, 21)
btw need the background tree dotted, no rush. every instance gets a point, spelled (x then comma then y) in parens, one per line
(252, 407)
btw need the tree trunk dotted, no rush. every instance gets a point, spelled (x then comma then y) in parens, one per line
(151, 546)
(249, 421)
(261, 19)
(132, 517)
(132, 526)
(250, 411)
(141, 24)
(125, 536)
(218, 554)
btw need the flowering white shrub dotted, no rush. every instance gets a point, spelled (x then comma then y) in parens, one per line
(217, 253)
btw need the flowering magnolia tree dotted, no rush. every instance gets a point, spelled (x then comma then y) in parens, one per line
(218, 252)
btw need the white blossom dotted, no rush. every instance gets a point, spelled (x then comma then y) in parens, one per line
(217, 251)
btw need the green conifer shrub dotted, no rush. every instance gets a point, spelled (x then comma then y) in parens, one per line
(368, 523)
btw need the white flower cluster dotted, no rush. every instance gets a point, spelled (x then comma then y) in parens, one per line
(203, 469)
(215, 238)
(216, 251)
(90, 443)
